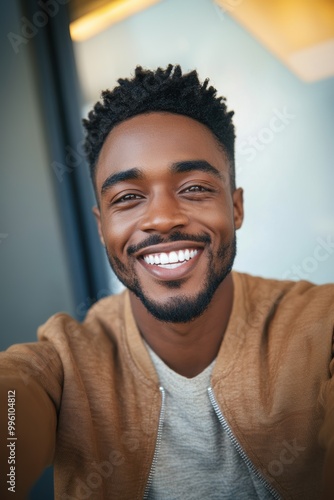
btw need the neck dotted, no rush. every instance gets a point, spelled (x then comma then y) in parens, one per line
(188, 348)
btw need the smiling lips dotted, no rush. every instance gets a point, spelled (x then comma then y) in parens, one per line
(170, 260)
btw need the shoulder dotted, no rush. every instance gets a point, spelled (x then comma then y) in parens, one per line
(290, 293)
(285, 307)
(104, 319)
(286, 315)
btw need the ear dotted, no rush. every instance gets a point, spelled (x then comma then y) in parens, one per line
(97, 215)
(238, 207)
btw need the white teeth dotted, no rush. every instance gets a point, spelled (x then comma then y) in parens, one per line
(171, 259)
(181, 256)
(164, 258)
(171, 266)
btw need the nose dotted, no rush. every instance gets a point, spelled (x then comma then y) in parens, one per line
(163, 214)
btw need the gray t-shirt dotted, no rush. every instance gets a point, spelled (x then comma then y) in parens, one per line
(196, 458)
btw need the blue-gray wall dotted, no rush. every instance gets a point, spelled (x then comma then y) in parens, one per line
(35, 279)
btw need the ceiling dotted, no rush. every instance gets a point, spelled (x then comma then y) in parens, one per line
(299, 32)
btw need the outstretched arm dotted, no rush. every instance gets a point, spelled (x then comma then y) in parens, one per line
(30, 393)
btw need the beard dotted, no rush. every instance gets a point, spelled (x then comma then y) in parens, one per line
(179, 308)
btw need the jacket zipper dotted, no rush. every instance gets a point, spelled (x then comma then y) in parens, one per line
(157, 445)
(237, 445)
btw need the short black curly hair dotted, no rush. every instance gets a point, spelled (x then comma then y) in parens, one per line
(160, 90)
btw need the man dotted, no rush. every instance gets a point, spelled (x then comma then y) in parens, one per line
(195, 382)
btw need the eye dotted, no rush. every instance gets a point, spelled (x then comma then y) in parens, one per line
(198, 192)
(127, 197)
(196, 189)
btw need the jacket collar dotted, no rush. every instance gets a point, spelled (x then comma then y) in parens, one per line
(139, 357)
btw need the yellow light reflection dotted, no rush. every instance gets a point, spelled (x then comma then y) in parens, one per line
(93, 23)
(299, 32)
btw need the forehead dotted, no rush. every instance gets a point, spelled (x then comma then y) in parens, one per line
(157, 140)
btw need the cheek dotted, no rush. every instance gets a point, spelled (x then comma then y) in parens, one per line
(116, 234)
(218, 220)
(225, 217)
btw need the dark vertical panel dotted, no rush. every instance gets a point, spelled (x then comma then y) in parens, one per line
(61, 96)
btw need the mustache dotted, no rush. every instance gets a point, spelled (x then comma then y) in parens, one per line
(156, 239)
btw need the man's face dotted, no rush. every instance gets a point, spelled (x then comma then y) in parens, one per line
(167, 216)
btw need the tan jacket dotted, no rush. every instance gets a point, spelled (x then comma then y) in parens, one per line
(87, 396)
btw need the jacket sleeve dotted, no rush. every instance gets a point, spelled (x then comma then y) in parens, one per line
(30, 393)
(326, 436)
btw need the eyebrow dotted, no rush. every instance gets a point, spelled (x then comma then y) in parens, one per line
(126, 175)
(192, 165)
(176, 168)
